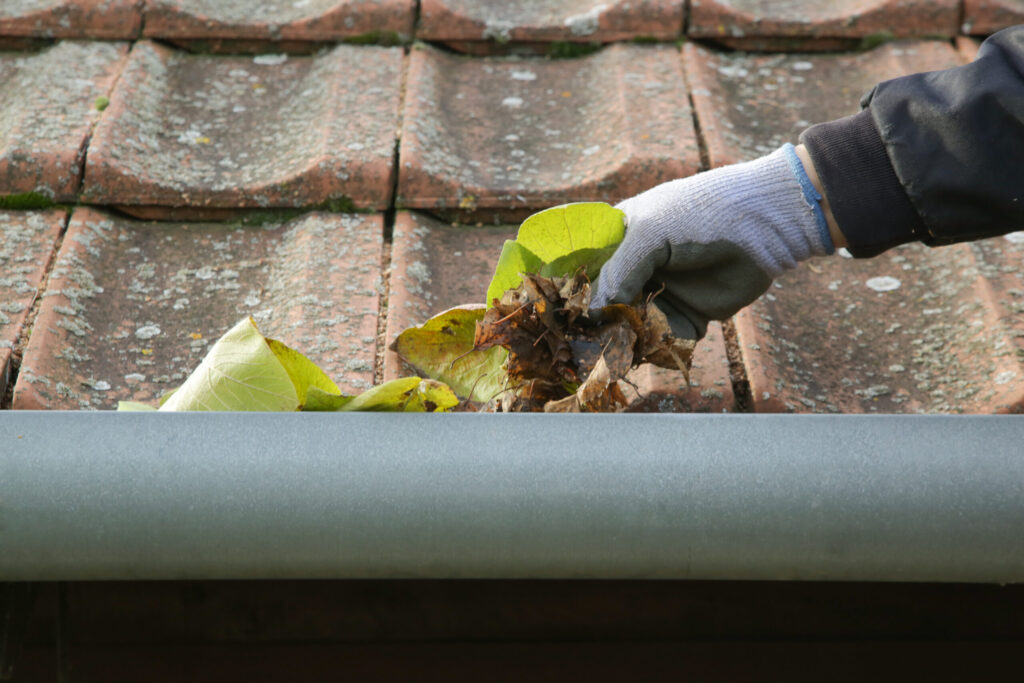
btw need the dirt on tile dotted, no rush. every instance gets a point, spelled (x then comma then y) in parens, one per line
(549, 20)
(266, 131)
(280, 20)
(47, 111)
(748, 105)
(132, 307)
(738, 22)
(516, 133)
(48, 19)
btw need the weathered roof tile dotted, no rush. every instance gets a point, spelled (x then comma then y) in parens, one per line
(132, 306)
(914, 330)
(748, 105)
(48, 105)
(436, 266)
(268, 131)
(550, 20)
(288, 20)
(761, 24)
(500, 133)
(982, 17)
(27, 241)
(103, 19)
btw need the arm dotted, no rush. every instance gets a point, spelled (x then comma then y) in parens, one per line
(936, 157)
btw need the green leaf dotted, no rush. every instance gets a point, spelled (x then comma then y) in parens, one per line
(240, 372)
(561, 230)
(408, 394)
(305, 375)
(134, 406)
(166, 397)
(514, 259)
(591, 259)
(318, 400)
(431, 396)
(442, 349)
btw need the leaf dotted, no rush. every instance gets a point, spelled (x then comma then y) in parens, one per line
(166, 397)
(432, 396)
(408, 394)
(514, 259)
(442, 349)
(553, 233)
(318, 400)
(134, 406)
(305, 375)
(240, 372)
(591, 259)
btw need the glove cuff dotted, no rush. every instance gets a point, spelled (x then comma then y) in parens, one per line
(811, 196)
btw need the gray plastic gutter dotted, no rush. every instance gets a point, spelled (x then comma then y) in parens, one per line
(230, 496)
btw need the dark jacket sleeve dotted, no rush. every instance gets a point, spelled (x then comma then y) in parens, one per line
(936, 157)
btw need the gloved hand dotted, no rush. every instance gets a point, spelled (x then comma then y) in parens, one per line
(715, 240)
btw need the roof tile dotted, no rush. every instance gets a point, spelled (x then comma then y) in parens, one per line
(27, 242)
(914, 330)
(104, 19)
(760, 24)
(436, 266)
(132, 307)
(313, 20)
(266, 131)
(550, 20)
(748, 105)
(982, 17)
(499, 133)
(47, 110)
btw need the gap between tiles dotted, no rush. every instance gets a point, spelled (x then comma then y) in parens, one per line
(744, 402)
(17, 353)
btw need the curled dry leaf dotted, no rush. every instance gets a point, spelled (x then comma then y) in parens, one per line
(562, 357)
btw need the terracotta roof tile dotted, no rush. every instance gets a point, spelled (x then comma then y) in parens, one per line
(748, 105)
(914, 330)
(982, 17)
(132, 306)
(268, 131)
(288, 20)
(192, 136)
(436, 266)
(48, 105)
(756, 24)
(103, 19)
(27, 241)
(550, 20)
(509, 133)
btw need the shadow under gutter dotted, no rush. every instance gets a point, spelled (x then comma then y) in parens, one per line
(92, 496)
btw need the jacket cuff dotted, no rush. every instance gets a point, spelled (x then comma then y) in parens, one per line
(867, 199)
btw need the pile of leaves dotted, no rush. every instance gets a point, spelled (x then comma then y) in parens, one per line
(534, 346)
(561, 357)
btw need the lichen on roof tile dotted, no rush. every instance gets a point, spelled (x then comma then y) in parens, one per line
(547, 20)
(47, 110)
(210, 131)
(913, 330)
(982, 17)
(512, 132)
(315, 20)
(105, 19)
(739, 19)
(132, 307)
(750, 104)
(27, 241)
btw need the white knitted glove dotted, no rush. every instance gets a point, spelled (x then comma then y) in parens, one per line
(715, 240)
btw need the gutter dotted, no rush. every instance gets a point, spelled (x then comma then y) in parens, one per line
(96, 496)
